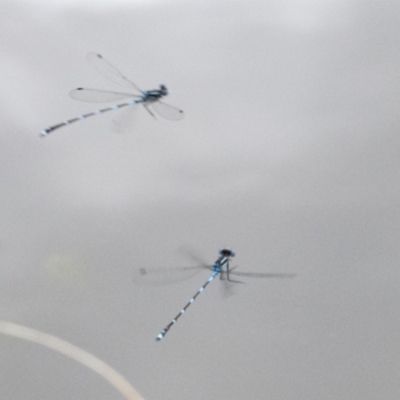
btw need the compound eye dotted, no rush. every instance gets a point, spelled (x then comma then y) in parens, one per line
(227, 253)
(163, 90)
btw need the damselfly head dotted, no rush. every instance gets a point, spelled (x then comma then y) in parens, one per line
(227, 253)
(163, 90)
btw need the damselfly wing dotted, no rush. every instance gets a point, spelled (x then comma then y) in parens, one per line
(149, 99)
(220, 267)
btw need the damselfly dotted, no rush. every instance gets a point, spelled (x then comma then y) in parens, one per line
(222, 268)
(149, 98)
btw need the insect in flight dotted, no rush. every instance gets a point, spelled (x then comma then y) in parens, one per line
(222, 268)
(151, 99)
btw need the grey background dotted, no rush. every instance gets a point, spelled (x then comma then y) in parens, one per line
(289, 154)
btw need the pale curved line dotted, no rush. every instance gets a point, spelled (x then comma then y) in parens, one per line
(77, 354)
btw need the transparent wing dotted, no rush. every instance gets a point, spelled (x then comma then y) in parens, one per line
(227, 287)
(125, 120)
(261, 275)
(99, 96)
(191, 253)
(167, 111)
(164, 276)
(109, 71)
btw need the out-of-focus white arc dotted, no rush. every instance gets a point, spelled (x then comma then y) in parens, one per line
(77, 354)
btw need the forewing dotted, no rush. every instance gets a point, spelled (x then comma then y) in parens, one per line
(191, 253)
(164, 276)
(109, 71)
(99, 96)
(227, 288)
(167, 111)
(261, 275)
(124, 121)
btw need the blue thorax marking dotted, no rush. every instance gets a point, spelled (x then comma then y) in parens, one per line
(152, 95)
(217, 267)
